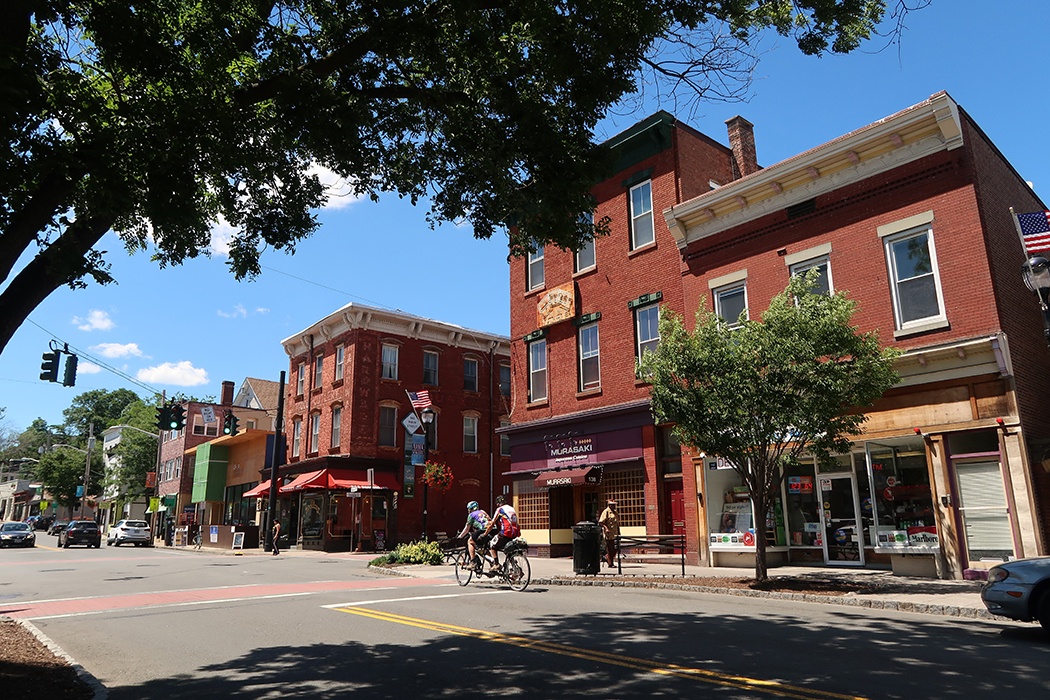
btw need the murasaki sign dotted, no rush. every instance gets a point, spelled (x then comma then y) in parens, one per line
(569, 451)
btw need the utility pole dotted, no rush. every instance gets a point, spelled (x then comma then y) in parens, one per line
(87, 469)
(276, 461)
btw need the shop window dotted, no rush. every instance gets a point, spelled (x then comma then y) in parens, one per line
(627, 488)
(901, 497)
(731, 520)
(532, 505)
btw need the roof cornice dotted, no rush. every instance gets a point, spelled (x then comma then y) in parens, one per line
(931, 126)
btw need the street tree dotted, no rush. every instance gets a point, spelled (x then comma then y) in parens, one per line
(61, 471)
(158, 119)
(763, 393)
(136, 453)
(99, 407)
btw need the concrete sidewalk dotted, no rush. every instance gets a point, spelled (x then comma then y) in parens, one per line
(886, 590)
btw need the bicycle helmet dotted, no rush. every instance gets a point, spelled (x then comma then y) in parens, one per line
(473, 505)
(501, 499)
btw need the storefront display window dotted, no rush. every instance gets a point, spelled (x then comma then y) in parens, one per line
(731, 520)
(802, 507)
(313, 522)
(901, 496)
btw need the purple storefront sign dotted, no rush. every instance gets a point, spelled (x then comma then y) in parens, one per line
(579, 451)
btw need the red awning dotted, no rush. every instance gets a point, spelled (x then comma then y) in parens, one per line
(569, 477)
(309, 480)
(339, 479)
(259, 491)
(383, 480)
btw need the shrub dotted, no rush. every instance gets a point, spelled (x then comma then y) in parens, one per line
(419, 552)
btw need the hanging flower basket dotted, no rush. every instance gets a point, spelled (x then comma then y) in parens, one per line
(437, 475)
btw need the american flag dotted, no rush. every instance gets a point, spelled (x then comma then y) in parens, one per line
(1035, 228)
(419, 399)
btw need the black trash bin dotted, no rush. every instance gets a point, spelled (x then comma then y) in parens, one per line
(586, 557)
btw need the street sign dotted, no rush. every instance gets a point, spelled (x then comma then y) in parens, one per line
(411, 423)
(208, 414)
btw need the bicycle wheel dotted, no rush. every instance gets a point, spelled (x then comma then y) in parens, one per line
(518, 571)
(464, 568)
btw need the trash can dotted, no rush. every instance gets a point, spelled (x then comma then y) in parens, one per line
(586, 559)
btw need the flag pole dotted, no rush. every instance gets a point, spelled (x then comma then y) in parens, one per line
(1020, 235)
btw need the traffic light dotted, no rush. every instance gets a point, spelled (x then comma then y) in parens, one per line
(178, 417)
(69, 378)
(229, 424)
(163, 417)
(50, 365)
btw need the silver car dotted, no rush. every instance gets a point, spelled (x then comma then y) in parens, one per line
(1020, 590)
(135, 531)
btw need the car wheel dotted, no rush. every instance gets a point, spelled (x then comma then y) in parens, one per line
(1042, 610)
(65, 545)
(116, 543)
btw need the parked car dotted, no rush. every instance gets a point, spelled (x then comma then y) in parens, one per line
(1020, 590)
(136, 531)
(43, 522)
(81, 532)
(57, 527)
(17, 535)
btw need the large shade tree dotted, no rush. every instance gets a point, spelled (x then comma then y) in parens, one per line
(158, 118)
(763, 393)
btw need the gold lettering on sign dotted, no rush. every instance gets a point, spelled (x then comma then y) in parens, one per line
(559, 304)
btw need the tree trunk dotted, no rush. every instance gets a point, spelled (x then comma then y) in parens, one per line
(759, 507)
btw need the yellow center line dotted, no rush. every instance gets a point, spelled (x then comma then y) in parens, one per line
(50, 549)
(740, 682)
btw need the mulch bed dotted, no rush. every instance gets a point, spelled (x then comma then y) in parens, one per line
(776, 584)
(31, 671)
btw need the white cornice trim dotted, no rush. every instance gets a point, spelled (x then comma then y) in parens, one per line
(933, 126)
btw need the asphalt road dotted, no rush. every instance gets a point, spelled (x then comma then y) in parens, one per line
(151, 623)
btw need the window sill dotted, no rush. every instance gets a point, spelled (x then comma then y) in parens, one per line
(597, 391)
(333, 450)
(388, 380)
(537, 404)
(583, 273)
(642, 382)
(299, 397)
(937, 325)
(316, 391)
(645, 248)
(337, 383)
(534, 292)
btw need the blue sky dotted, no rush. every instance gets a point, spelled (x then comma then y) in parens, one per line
(189, 328)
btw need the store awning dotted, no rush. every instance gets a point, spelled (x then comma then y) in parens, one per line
(259, 491)
(339, 479)
(569, 477)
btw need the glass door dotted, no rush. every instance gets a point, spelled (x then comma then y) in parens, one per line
(842, 530)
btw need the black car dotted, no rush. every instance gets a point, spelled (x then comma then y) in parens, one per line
(81, 532)
(17, 535)
(57, 527)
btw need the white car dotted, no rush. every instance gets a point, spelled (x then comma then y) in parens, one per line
(136, 531)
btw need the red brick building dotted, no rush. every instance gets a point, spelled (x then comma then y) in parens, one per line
(911, 216)
(345, 403)
(582, 432)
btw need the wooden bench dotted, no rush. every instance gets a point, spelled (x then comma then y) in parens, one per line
(449, 547)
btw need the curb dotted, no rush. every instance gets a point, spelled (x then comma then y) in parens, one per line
(845, 600)
(100, 691)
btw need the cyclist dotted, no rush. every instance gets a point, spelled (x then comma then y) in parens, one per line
(477, 522)
(506, 519)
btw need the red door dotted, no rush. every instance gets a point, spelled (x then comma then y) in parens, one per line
(674, 509)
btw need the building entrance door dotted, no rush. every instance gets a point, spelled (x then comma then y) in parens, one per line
(843, 544)
(674, 509)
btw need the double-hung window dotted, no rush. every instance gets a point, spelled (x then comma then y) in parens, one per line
(430, 368)
(390, 353)
(318, 371)
(534, 271)
(730, 303)
(647, 328)
(315, 432)
(590, 370)
(584, 258)
(387, 426)
(504, 380)
(537, 370)
(914, 282)
(337, 419)
(339, 355)
(300, 380)
(470, 374)
(297, 429)
(642, 232)
(823, 268)
(470, 434)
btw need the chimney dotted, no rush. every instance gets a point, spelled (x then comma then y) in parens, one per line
(227, 393)
(742, 141)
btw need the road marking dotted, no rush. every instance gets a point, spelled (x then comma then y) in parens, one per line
(50, 549)
(418, 597)
(170, 605)
(713, 677)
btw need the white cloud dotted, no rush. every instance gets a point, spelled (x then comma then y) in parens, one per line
(117, 350)
(262, 310)
(177, 374)
(238, 310)
(95, 321)
(222, 234)
(336, 188)
(87, 368)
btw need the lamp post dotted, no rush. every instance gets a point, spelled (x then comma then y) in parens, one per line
(1036, 275)
(427, 416)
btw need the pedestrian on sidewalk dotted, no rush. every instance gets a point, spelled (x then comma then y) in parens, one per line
(610, 522)
(276, 536)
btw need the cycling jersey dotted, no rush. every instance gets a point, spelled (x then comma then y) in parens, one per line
(507, 519)
(477, 521)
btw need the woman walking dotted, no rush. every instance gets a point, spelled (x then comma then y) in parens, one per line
(276, 536)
